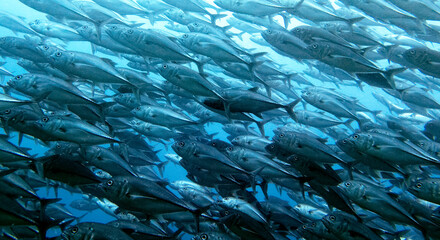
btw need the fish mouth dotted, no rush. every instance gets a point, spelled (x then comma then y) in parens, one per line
(38, 124)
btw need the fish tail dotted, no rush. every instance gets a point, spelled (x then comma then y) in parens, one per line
(161, 167)
(215, 17)
(288, 79)
(389, 75)
(351, 21)
(289, 108)
(348, 124)
(260, 125)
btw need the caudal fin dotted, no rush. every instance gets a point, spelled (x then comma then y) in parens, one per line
(289, 108)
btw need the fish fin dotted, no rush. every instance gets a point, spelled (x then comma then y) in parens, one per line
(348, 124)
(351, 21)
(389, 74)
(289, 108)
(215, 17)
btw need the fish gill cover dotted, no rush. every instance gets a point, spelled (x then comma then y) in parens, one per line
(219, 119)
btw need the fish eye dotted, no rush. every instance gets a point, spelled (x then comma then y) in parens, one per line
(164, 66)
(58, 146)
(355, 136)
(181, 144)
(344, 141)
(138, 108)
(45, 119)
(7, 111)
(109, 182)
(421, 144)
(304, 226)
(130, 31)
(74, 230)
(58, 54)
(333, 218)
(226, 212)
(45, 47)
(114, 27)
(412, 51)
(204, 236)
(313, 225)
(418, 185)
(18, 77)
(281, 135)
(196, 24)
(229, 149)
(348, 184)
(85, 27)
(185, 35)
(315, 45)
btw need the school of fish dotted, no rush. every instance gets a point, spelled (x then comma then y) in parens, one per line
(292, 119)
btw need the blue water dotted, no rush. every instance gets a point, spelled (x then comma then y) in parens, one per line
(172, 171)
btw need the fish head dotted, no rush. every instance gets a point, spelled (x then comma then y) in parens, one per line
(37, 24)
(76, 232)
(318, 50)
(12, 116)
(68, 148)
(47, 124)
(357, 142)
(417, 55)
(127, 216)
(125, 99)
(25, 63)
(46, 50)
(233, 152)
(131, 34)
(61, 57)
(23, 83)
(205, 236)
(353, 189)
(285, 138)
(6, 42)
(135, 124)
(115, 187)
(272, 148)
(301, 32)
(115, 31)
(197, 27)
(418, 186)
(185, 148)
(188, 40)
(432, 126)
(144, 112)
(346, 144)
(175, 13)
(312, 227)
(219, 144)
(271, 35)
(330, 220)
(87, 30)
(167, 70)
(239, 140)
(310, 96)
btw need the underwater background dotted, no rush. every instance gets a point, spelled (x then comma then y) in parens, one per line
(321, 96)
